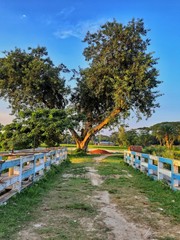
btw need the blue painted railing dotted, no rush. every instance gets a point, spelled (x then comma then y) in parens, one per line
(20, 172)
(158, 168)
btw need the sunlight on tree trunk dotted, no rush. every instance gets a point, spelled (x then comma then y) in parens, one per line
(82, 143)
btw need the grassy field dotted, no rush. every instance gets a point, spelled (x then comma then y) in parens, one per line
(60, 206)
(112, 148)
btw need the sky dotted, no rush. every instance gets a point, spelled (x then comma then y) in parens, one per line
(61, 26)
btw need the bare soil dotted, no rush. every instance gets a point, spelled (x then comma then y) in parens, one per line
(99, 151)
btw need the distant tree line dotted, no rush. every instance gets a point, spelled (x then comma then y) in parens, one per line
(50, 128)
(165, 134)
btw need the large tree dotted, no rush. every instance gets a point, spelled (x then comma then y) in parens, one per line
(32, 128)
(29, 79)
(121, 77)
(166, 133)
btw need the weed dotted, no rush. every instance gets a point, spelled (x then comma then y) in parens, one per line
(112, 191)
(81, 206)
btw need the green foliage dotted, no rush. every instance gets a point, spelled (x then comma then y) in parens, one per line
(159, 195)
(121, 77)
(140, 136)
(145, 137)
(176, 155)
(30, 80)
(19, 209)
(1, 126)
(131, 137)
(155, 150)
(166, 132)
(114, 138)
(12, 137)
(30, 129)
(81, 206)
(79, 152)
(121, 74)
(162, 151)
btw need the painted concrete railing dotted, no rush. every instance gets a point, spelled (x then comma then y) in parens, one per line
(158, 168)
(20, 172)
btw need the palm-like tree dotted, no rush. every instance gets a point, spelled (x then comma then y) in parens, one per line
(167, 133)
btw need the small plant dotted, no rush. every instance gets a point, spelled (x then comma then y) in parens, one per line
(79, 152)
(162, 152)
(155, 150)
(81, 206)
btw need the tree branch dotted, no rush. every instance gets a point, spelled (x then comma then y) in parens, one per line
(97, 128)
(74, 134)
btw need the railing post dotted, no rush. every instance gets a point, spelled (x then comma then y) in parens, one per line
(176, 175)
(11, 170)
(22, 170)
(34, 169)
(20, 174)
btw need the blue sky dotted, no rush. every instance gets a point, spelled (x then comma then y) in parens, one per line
(62, 25)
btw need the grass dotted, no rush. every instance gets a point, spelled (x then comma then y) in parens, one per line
(81, 206)
(19, 208)
(62, 200)
(61, 203)
(113, 148)
(159, 195)
(79, 158)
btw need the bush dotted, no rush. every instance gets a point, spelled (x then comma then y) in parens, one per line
(162, 152)
(155, 150)
(79, 152)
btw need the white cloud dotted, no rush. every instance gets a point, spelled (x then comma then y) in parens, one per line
(78, 30)
(23, 16)
(59, 18)
(66, 12)
(65, 34)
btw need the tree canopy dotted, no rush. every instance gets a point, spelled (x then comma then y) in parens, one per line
(121, 77)
(30, 80)
(166, 132)
(32, 128)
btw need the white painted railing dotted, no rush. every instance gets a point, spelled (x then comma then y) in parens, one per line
(20, 172)
(158, 168)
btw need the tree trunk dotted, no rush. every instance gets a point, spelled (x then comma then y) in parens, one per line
(83, 140)
(83, 145)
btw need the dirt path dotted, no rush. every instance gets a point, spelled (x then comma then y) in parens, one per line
(113, 218)
(80, 206)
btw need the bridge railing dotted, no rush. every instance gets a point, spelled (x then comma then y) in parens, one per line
(158, 168)
(22, 169)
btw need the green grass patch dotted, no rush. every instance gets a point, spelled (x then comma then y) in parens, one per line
(160, 196)
(81, 206)
(20, 207)
(62, 200)
(79, 158)
(113, 148)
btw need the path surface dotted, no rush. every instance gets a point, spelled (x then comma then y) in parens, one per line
(79, 206)
(113, 218)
